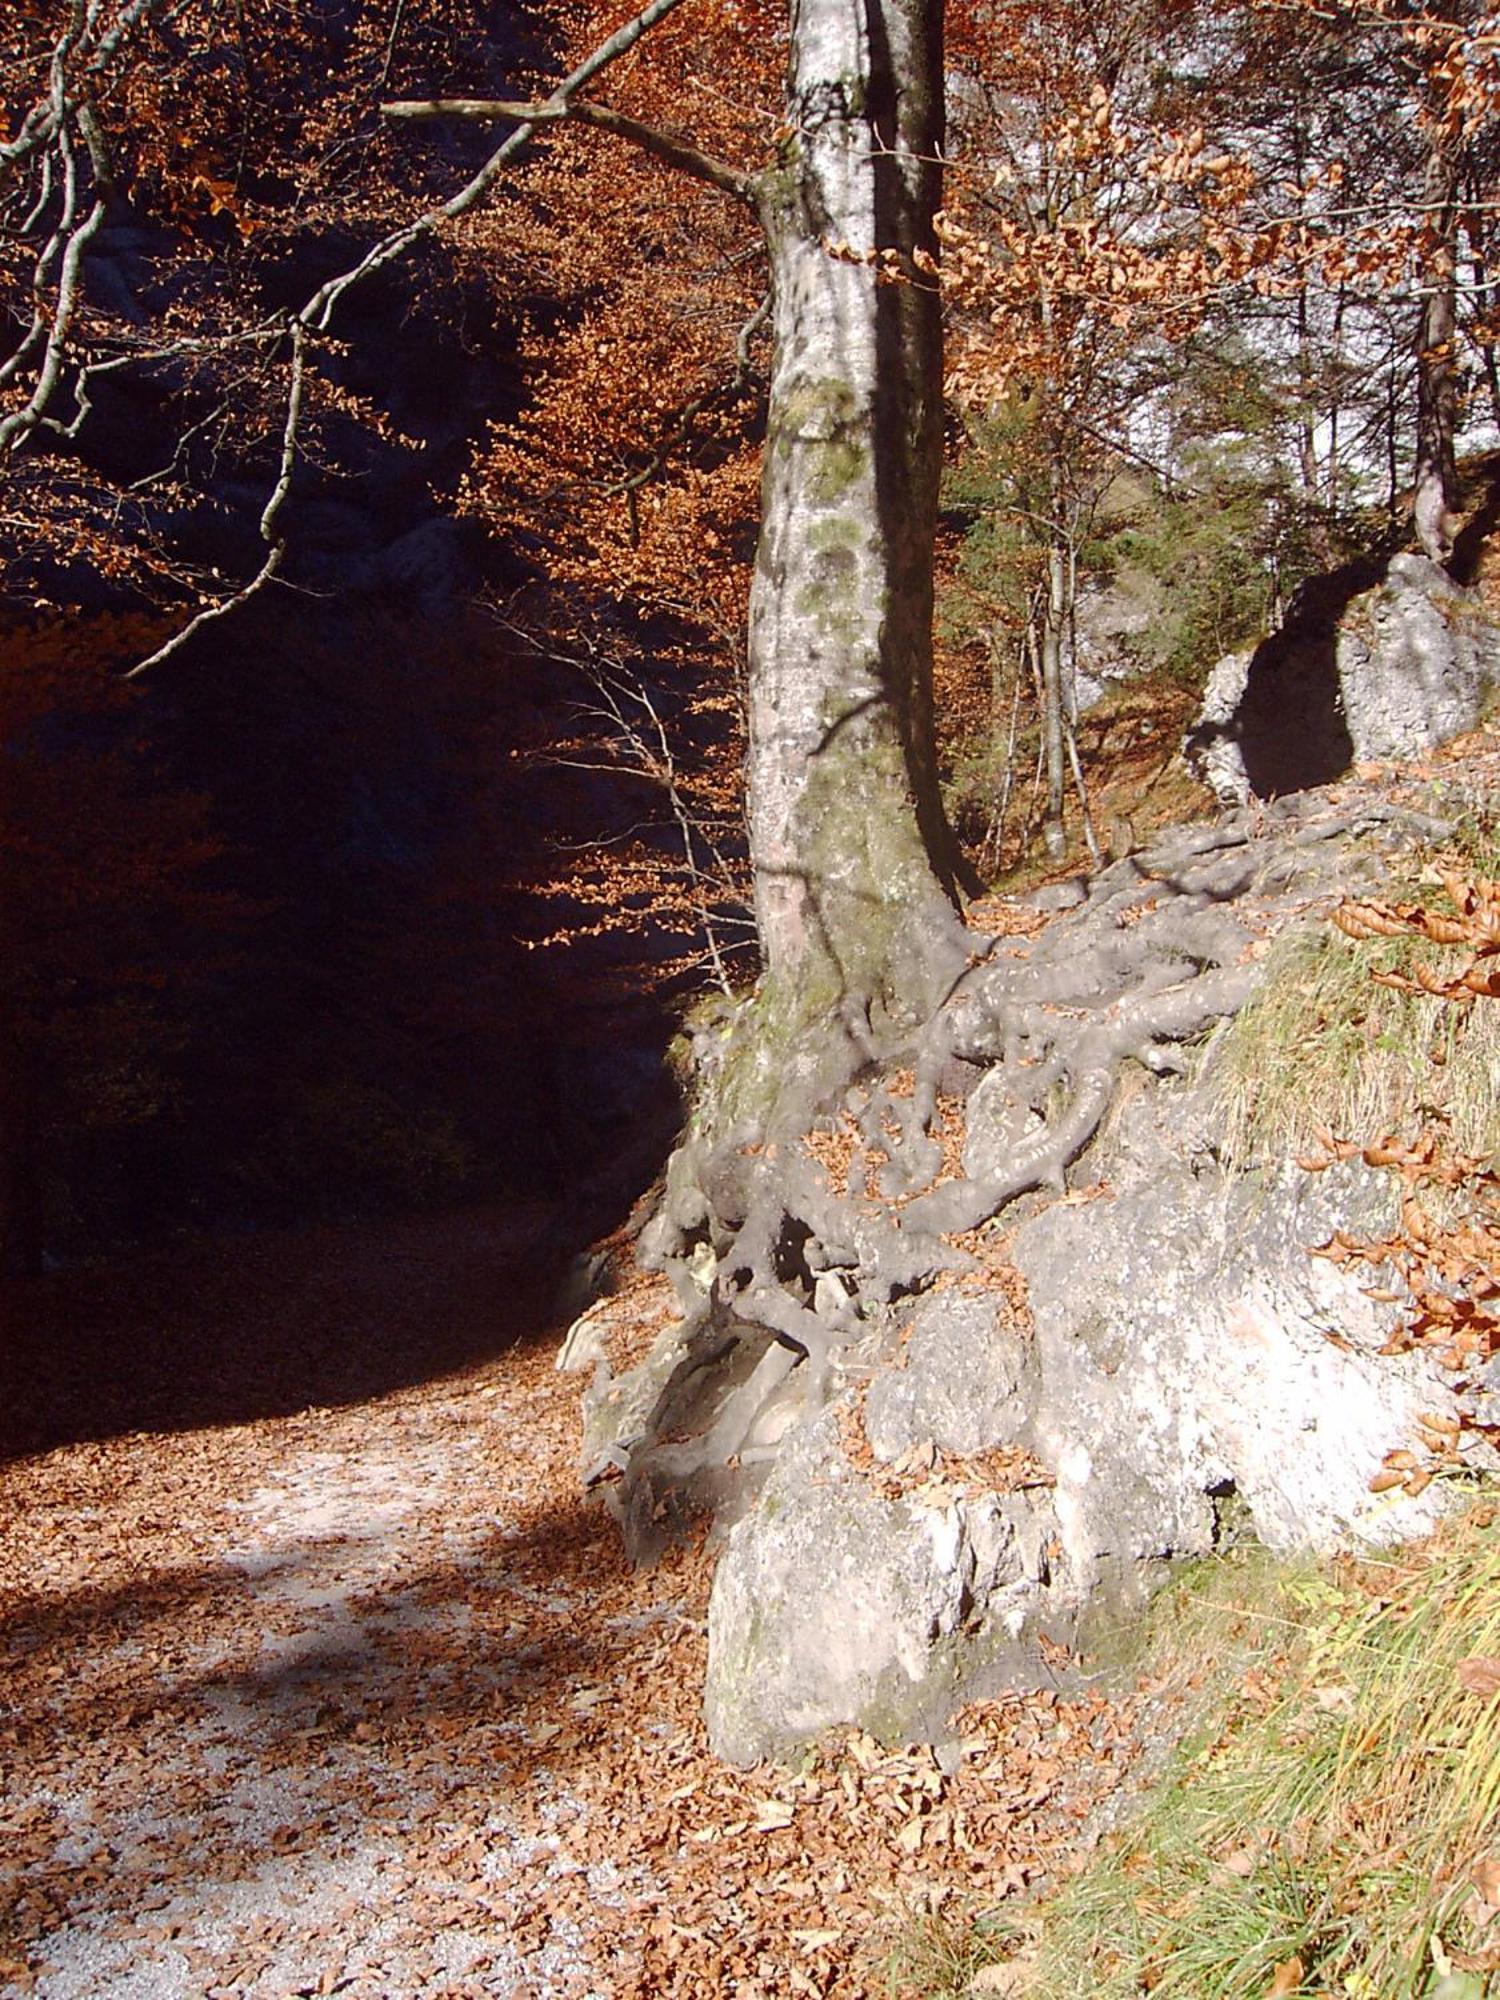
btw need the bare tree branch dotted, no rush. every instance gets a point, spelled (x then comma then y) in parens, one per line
(316, 314)
(71, 238)
(651, 139)
(644, 750)
(269, 523)
(318, 310)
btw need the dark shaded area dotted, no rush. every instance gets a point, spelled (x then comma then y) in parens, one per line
(1290, 724)
(217, 1331)
(272, 935)
(1480, 491)
(1292, 730)
(386, 1124)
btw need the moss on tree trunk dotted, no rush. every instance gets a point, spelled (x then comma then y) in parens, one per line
(849, 848)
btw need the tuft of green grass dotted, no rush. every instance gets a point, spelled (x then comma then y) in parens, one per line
(1334, 1804)
(940, 1955)
(1323, 1046)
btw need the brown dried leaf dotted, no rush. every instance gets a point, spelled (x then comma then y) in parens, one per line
(1479, 1675)
(1241, 1861)
(772, 1815)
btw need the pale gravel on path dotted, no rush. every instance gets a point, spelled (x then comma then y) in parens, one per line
(206, 1857)
(365, 1700)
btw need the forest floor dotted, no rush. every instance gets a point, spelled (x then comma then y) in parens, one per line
(322, 1676)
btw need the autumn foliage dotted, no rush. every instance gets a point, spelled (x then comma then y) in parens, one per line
(215, 245)
(1441, 1263)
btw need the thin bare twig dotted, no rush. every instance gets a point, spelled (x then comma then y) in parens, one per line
(651, 139)
(269, 522)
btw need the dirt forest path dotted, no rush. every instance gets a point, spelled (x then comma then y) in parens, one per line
(320, 1676)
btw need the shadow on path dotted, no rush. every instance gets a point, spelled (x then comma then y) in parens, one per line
(230, 1330)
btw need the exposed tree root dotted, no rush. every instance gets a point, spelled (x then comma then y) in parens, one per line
(785, 1275)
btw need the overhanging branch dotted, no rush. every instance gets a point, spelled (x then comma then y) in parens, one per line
(318, 310)
(675, 153)
(270, 528)
(316, 313)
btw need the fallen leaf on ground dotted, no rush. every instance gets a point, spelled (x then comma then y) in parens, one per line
(1480, 1674)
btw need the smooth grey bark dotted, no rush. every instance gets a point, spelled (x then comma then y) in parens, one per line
(1054, 617)
(849, 848)
(1435, 493)
(848, 844)
(854, 864)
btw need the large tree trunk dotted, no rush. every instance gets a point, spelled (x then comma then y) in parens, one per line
(848, 843)
(860, 937)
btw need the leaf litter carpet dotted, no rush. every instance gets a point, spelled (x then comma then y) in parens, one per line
(357, 1695)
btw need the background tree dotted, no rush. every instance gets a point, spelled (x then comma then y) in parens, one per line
(1090, 231)
(1366, 122)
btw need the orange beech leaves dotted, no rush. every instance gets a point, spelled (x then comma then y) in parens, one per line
(1474, 924)
(1079, 222)
(630, 477)
(635, 464)
(1096, 199)
(1444, 1258)
(1106, 194)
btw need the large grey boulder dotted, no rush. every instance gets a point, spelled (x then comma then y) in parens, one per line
(972, 1463)
(1112, 627)
(1190, 1347)
(1191, 1371)
(832, 1604)
(1372, 663)
(965, 1383)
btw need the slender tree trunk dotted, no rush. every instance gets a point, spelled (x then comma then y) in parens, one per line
(850, 852)
(1054, 616)
(1478, 229)
(1435, 492)
(1307, 418)
(1333, 483)
(1392, 447)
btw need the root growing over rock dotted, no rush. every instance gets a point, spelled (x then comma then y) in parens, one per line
(787, 1272)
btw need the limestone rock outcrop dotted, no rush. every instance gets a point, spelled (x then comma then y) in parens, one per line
(1025, 1370)
(1374, 662)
